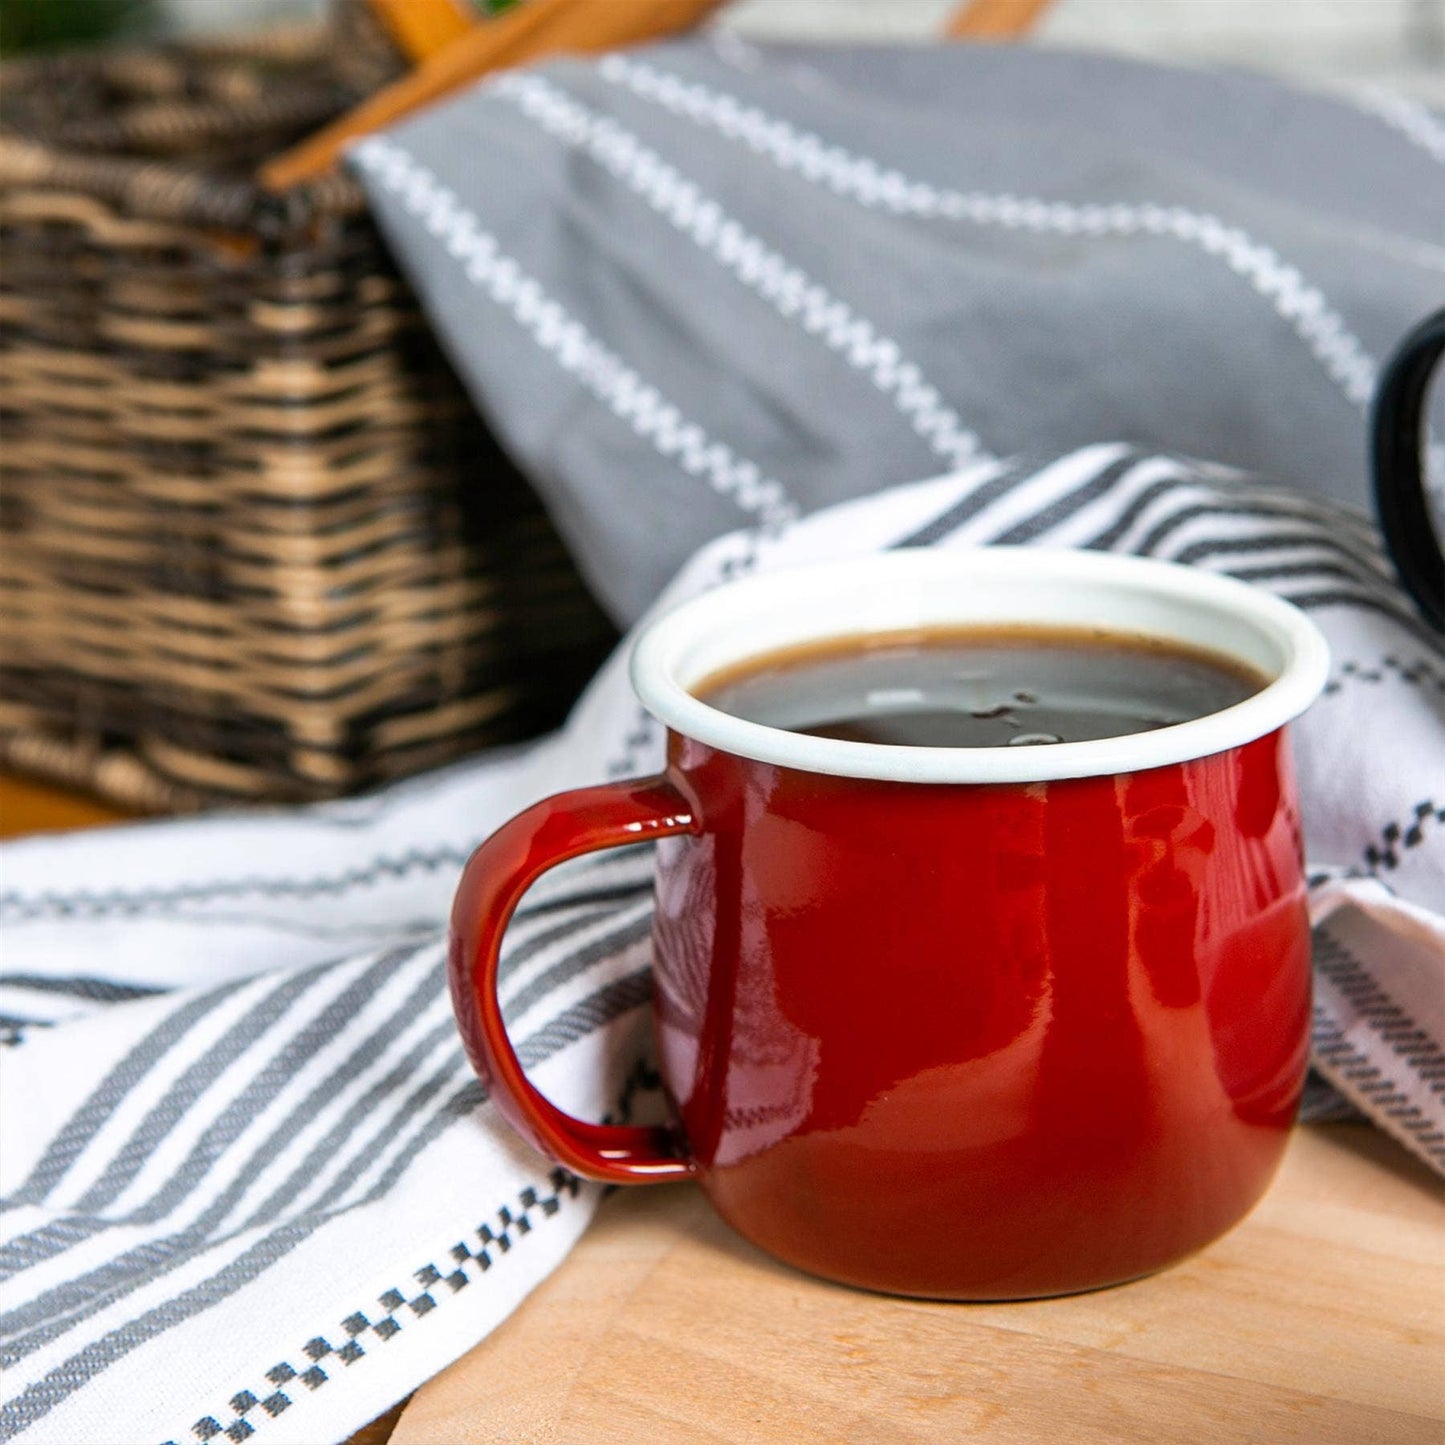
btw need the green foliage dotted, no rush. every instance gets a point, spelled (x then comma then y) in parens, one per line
(27, 25)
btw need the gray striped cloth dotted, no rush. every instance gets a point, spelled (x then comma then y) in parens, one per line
(250, 1186)
(708, 282)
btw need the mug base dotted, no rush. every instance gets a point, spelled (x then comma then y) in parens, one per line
(950, 1242)
(984, 1297)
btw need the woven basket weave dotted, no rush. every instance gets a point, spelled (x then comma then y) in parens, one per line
(254, 541)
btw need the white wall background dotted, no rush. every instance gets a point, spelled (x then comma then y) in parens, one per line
(1400, 43)
(1396, 43)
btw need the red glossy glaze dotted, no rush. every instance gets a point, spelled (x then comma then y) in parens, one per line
(493, 882)
(981, 1042)
(985, 1042)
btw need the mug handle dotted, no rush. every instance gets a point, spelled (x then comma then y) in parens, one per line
(1399, 472)
(498, 873)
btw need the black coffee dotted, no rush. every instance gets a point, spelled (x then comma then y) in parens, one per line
(1000, 687)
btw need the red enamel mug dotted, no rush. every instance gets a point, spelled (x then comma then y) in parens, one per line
(966, 1023)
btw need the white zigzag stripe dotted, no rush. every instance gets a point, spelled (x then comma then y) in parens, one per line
(1407, 117)
(788, 289)
(580, 354)
(1298, 302)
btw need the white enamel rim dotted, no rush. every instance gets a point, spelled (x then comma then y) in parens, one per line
(1032, 586)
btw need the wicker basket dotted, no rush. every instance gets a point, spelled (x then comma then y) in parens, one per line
(254, 541)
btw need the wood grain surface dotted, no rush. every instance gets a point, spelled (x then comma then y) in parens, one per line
(531, 31)
(995, 19)
(27, 807)
(1321, 1319)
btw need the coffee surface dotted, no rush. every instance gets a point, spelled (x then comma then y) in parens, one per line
(980, 688)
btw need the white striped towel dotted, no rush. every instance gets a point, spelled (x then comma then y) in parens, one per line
(249, 1184)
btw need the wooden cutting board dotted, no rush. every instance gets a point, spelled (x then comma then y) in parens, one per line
(30, 807)
(1321, 1319)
